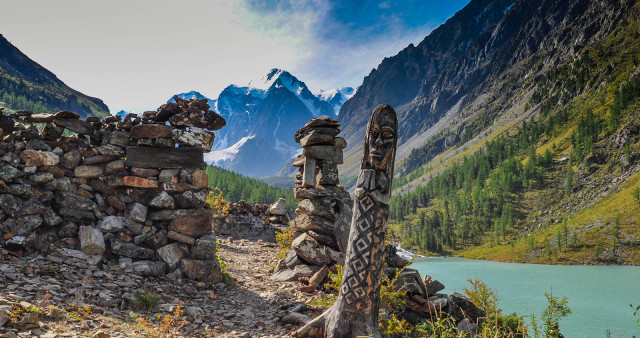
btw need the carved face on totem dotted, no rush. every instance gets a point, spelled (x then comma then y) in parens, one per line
(381, 137)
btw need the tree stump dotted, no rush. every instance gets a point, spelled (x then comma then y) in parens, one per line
(355, 312)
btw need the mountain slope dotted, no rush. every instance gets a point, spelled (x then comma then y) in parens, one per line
(534, 131)
(25, 85)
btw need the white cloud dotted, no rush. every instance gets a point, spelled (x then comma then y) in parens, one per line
(136, 54)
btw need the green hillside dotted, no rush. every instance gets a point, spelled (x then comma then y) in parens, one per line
(236, 187)
(562, 187)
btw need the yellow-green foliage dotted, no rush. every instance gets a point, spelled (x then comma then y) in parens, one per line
(216, 200)
(284, 237)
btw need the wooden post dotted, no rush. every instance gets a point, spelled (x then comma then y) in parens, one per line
(355, 312)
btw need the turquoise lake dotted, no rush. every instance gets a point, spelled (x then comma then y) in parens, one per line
(598, 295)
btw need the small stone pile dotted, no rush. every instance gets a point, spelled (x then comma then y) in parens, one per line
(424, 302)
(120, 189)
(323, 216)
(240, 220)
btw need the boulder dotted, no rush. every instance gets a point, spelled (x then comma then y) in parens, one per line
(205, 247)
(194, 226)
(315, 253)
(195, 137)
(279, 207)
(201, 270)
(91, 240)
(162, 201)
(171, 254)
(291, 275)
(460, 307)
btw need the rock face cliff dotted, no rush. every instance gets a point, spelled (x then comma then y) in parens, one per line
(40, 89)
(471, 69)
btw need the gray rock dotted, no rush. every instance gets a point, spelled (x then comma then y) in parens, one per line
(147, 268)
(42, 178)
(171, 254)
(72, 201)
(315, 253)
(69, 229)
(295, 318)
(201, 270)
(139, 212)
(190, 199)
(59, 184)
(467, 328)
(11, 205)
(157, 240)
(80, 216)
(205, 247)
(279, 207)
(9, 173)
(162, 201)
(193, 311)
(22, 226)
(91, 240)
(291, 275)
(121, 248)
(112, 224)
(79, 255)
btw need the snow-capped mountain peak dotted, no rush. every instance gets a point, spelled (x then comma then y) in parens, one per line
(336, 97)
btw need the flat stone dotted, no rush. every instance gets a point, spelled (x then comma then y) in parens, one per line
(144, 172)
(39, 158)
(136, 182)
(194, 226)
(157, 240)
(164, 158)
(169, 175)
(291, 275)
(91, 240)
(119, 138)
(111, 224)
(181, 238)
(80, 216)
(309, 173)
(314, 138)
(332, 153)
(88, 171)
(175, 187)
(199, 179)
(315, 253)
(76, 125)
(150, 131)
(40, 118)
(121, 248)
(98, 159)
(73, 201)
(114, 167)
(173, 214)
(42, 178)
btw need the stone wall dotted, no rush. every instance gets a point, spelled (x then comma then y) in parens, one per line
(129, 190)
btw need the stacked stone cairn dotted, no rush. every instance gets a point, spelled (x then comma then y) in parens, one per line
(323, 216)
(128, 191)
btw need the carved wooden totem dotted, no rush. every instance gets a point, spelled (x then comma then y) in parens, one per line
(355, 312)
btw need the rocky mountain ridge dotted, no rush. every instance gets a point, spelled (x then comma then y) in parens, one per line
(26, 85)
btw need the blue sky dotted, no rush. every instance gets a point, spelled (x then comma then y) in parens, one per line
(136, 54)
